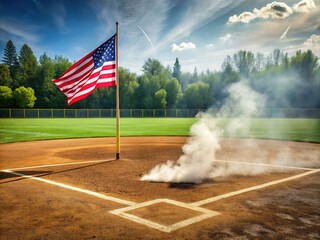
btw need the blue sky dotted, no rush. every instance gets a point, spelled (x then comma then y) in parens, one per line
(201, 33)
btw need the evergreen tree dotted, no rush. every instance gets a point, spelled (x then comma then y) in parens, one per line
(48, 94)
(28, 67)
(176, 70)
(5, 78)
(10, 59)
(195, 75)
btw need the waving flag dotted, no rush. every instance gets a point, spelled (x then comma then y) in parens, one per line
(95, 70)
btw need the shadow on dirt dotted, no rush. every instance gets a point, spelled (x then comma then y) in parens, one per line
(190, 185)
(182, 185)
(5, 175)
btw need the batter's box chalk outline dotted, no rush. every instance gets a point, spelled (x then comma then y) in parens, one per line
(123, 212)
(196, 206)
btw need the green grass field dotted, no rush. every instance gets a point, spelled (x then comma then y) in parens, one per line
(30, 129)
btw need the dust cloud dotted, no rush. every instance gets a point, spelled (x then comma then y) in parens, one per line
(199, 153)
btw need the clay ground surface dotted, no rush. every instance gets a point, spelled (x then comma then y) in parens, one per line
(31, 209)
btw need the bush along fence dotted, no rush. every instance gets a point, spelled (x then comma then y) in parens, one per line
(141, 113)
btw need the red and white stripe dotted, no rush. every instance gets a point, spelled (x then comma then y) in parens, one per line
(81, 79)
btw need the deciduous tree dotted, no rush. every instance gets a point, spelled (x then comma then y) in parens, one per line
(24, 97)
(5, 96)
(160, 99)
(244, 61)
(197, 95)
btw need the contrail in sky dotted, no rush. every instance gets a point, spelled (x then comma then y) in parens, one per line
(146, 36)
(284, 35)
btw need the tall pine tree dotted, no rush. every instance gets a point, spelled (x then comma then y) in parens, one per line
(28, 67)
(10, 59)
(176, 70)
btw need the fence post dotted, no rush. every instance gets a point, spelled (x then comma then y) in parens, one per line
(24, 113)
(10, 113)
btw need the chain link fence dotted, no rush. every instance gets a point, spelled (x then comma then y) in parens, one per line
(141, 113)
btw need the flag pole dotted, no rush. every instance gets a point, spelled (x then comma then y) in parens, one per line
(117, 99)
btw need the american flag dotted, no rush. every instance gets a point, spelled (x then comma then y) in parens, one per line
(95, 70)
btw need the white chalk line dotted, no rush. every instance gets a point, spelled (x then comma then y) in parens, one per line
(206, 213)
(257, 187)
(266, 165)
(195, 206)
(88, 192)
(122, 212)
(109, 160)
(58, 164)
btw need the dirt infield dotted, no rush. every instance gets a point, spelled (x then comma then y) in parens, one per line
(73, 189)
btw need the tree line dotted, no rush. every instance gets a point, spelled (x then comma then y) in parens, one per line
(26, 82)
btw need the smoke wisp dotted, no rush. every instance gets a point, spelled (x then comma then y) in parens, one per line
(196, 162)
(199, 153)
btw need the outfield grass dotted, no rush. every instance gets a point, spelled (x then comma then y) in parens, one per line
(16, 130)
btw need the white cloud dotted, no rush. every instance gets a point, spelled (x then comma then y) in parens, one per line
(312, 43)
(304, 6)
(210, 45)
(274, 10)
(226, 38)
(244, 17)
(183, 46)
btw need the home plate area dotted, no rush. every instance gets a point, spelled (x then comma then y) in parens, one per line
(161, 206)
(164, 214)
(54, 190)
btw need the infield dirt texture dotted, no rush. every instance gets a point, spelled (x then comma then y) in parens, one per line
(93, 199)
